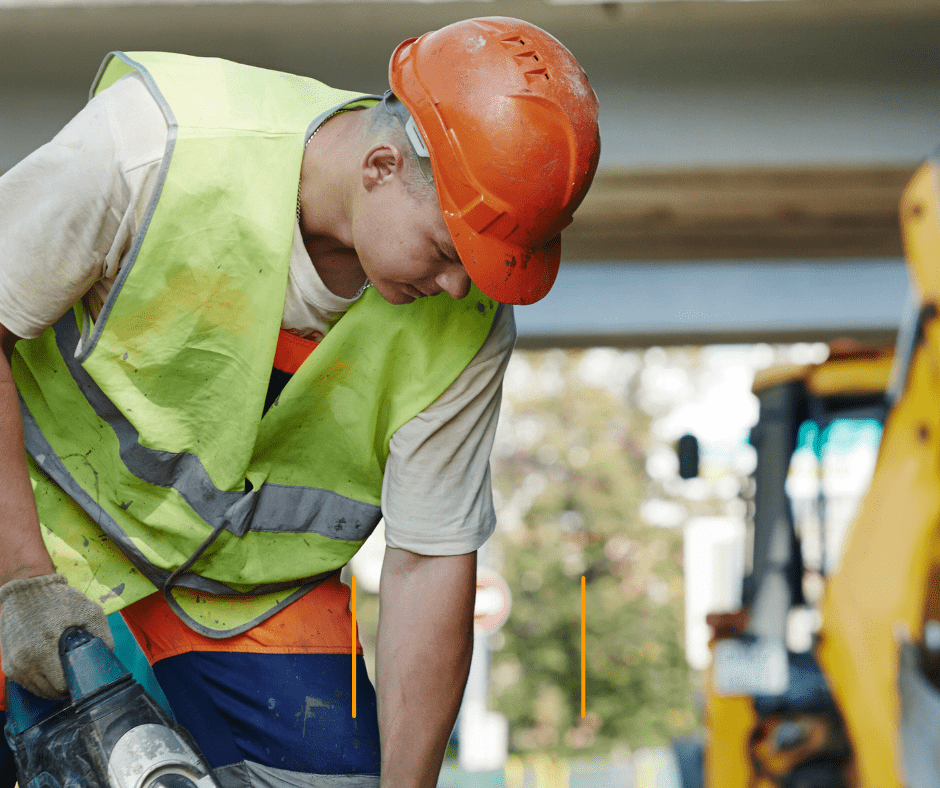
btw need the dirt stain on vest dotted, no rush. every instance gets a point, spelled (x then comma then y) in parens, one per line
(191, 306)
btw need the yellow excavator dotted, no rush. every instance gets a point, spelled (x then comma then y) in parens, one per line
(880, 641)
(860, 707)
(770, 717)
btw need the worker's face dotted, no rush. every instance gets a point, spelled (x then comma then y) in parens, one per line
(401, 239)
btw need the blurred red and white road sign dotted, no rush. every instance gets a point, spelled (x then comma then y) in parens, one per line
(493, 602)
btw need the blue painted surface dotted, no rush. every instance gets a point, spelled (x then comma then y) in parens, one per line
(754, 301)
(132, 658)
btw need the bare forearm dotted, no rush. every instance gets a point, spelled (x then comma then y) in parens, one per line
(424, 645)
(23, 554)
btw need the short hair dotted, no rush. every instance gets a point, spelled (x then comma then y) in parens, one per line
(385, 123)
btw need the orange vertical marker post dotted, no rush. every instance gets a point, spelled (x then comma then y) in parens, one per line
(353, 646)
(583, 647)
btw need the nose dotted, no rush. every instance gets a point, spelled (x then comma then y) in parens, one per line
(454, 281)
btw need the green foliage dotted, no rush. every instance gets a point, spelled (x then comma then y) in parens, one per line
(570, 476)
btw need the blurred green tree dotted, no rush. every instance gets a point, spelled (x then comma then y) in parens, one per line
(569, 471)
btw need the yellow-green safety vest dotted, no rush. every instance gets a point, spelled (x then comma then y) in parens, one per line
(153, 462)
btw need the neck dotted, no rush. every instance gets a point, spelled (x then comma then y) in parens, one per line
(327, 184)
(337, 266)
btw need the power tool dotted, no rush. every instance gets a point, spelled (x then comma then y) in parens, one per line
(110, 733)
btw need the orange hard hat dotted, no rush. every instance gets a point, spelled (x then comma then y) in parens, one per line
(510, 123)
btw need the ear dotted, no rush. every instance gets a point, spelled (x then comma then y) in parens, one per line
(382, 163)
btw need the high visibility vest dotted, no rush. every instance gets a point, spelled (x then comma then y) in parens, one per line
(153, 462)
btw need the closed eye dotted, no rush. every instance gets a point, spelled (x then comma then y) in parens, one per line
(448, 255)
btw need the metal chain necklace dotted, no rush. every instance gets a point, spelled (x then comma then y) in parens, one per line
(332, 115)
(328, 117)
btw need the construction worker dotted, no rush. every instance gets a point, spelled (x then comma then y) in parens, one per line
(170, 260)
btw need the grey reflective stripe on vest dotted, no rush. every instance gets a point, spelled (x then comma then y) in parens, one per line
(249, 774)
(276, 508)
(273, 508)
(91, 337)
(45, 457)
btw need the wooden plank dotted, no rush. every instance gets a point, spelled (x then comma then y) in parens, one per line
(739, 214)
(707, 214)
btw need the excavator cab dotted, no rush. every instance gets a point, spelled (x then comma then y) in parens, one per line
(771, 719)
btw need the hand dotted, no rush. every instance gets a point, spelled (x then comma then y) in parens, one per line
(34, 612)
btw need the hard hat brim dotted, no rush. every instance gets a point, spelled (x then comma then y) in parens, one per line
(505, 272)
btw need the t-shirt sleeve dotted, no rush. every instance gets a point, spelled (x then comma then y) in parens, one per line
(69, 211)
(437, 497)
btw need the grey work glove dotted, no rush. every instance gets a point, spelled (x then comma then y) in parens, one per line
(34, 612)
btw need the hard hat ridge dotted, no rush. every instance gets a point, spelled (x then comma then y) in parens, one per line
(511, 124)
